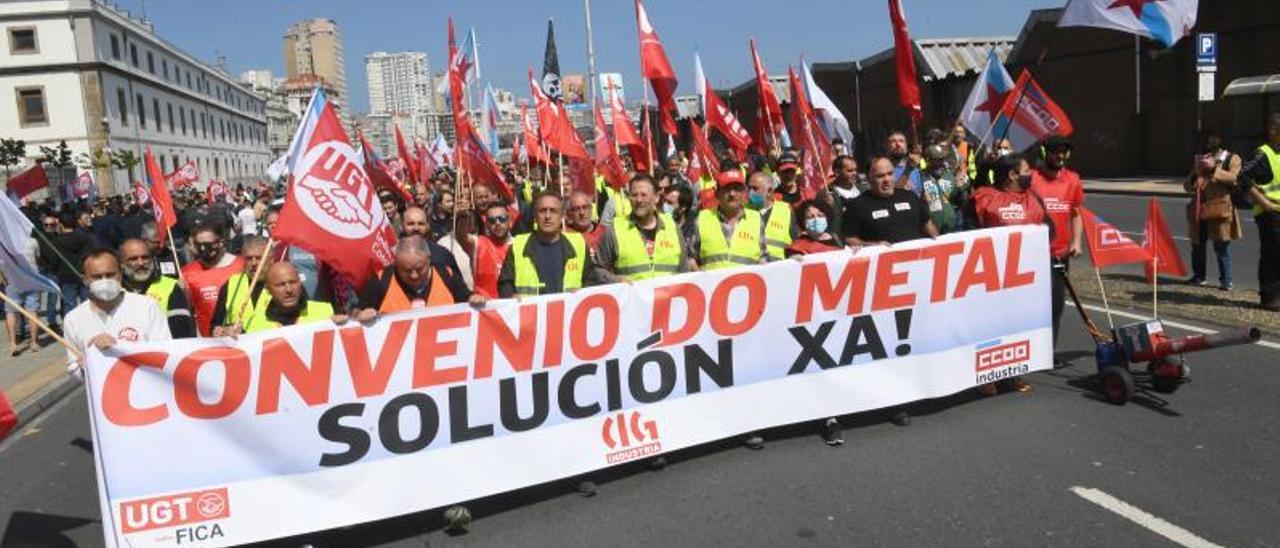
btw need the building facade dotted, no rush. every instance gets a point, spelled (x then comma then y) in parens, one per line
(281, 122)
(399, 82)
(314, 46)
(87, 73)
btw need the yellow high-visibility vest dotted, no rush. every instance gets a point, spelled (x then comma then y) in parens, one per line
(743, 249)
(527, 282)
(634, 260)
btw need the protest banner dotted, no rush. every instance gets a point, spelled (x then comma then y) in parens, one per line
(216, 442)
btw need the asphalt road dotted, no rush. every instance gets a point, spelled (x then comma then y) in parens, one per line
(968, 471)
(1129, 214)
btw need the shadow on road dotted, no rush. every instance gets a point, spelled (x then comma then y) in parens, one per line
(35, 530)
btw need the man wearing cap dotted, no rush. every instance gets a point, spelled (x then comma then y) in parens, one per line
(789, 178)
(1063, 197)
(729, 235)
(939, 187)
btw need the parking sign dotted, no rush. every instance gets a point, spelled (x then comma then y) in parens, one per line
(1207, 49)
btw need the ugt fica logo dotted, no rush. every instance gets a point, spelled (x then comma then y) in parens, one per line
(630, 435)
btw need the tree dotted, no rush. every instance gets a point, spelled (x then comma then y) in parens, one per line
(60, 159)
(12, 151)
(126, 160)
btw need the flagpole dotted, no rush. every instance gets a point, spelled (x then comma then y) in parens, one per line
(591, 57)
(1137, 74)
(1098, 274)
(257, 273)
(31, 317)
(174, 248)
(1155, 286)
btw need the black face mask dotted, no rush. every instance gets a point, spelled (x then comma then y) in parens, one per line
(208, 252)
(1024, 182)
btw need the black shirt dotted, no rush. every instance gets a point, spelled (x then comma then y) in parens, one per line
(548, 259)
(895, 219)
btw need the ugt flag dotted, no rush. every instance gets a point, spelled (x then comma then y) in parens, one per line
(1165, 21)
(332, 208)
(1031, 110)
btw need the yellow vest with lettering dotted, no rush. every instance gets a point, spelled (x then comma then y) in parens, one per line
(527, 281)
(161, 289)
(715, 253)
(1271, 189)
(777, 233)
(315, 311)
(634, 260)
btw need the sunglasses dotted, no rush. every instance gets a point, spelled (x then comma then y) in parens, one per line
(499, 219)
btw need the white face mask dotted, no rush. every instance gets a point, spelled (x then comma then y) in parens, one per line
(106, 289)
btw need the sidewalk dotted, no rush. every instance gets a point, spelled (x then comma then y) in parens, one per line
(34, 381)
(1209, 304)
(1136, 186)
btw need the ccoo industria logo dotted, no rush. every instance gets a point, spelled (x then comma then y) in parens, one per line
(628, 437)
(996, 360)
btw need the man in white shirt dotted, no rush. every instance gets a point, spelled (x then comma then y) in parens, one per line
(111, 314)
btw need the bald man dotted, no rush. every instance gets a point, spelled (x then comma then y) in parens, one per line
(423, 275)
(578, 218)
(288, 305)
(414, 221)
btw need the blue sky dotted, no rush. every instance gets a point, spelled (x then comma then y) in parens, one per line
(512, 33)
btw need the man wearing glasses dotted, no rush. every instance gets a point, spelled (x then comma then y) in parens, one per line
(578, 219)
(491, 249)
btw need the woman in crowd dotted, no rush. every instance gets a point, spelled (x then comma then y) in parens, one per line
(1210, 213)
(813, 216)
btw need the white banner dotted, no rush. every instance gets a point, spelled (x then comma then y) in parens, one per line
(214, 442)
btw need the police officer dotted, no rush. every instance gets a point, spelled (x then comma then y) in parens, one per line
(547, 260)
(142, 276)
(1261, 175)
(729, 235)
(645, 244)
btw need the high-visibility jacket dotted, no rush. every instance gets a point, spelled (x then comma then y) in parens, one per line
(238, 297)
(1272, 188)
(527, 282)
(744, 248)
(634, 260)
(161, 289)
(396, 300)
(315, 311)
(777, 232)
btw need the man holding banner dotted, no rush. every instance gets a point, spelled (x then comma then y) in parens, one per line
(548, 260)
(111, 314)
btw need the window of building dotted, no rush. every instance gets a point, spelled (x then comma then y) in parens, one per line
(169, 107)
(164, 68)
(151, 63)
(133, 55)
(142, 112)
(182, 115)
(188, 79)
(22, 41)
(122, 104)
(155, 107)
(115, 47)
(175, 162)
(204, 129)
(31, 107)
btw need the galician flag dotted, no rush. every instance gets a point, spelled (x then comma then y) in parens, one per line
(983, 107)
(1165, 21)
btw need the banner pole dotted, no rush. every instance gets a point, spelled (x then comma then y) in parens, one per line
(31, 317)
(1155, 287)
(174, 248)
(1098, 273)
(257, 272)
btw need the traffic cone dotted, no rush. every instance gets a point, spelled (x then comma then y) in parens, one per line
(8, 418)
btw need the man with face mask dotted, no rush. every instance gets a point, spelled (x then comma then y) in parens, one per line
(111, 314)
(645, 244)
(235, 298)
(142, 276)
(779, 228)
(206, 275)
(939, 189)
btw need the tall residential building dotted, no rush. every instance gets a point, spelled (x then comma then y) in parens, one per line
(281, 123)
(86, 72)
(399, 83)
(314, 47)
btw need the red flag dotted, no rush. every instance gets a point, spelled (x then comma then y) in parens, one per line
(657, 69)
(217, 190)
(378, 172)
(532, 144)
(457, 71)
(646, 135)
(1160, 246)
(626, 136)
(141, 195)
(554, 126)
(817, 151)
(426, 164)
(607, 161)
(703, 162)
(8, 417)
(161, 202)
(722, 119)
(405, 156)
(1108, 245)
(332, 207)
(1033, 110)
(904, 56)
(184, 176)
(475, 160)
(769, 105)
(30, 180)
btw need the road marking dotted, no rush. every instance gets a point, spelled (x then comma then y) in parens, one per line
(1137, 515)
(1179, 325)
(1144, 235)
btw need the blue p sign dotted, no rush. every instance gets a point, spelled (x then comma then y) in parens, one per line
(1207, 48)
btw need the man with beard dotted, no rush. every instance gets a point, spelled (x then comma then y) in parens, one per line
(142, 276)
(414, 222)
(906, 172)
(288, 304)
(491, 249)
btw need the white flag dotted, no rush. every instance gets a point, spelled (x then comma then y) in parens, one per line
(15, 248)
(1165, 21)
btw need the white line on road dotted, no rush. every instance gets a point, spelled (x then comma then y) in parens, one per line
(1179, 325)
(1137, 515)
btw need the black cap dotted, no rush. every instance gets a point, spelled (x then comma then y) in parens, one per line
(1056, 142)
